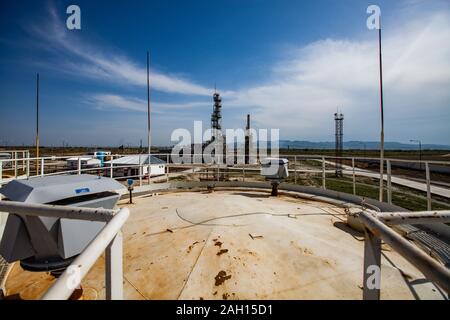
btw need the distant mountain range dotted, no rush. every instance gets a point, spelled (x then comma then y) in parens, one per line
(369, 145)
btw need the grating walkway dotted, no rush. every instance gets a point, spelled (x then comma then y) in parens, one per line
(3, 270)
(433, 245)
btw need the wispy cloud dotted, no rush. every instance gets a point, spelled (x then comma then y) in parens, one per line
(88, 60)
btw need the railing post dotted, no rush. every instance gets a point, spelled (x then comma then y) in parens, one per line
(354, 176)
(79, 165)
(380, 197)
(15, 164)
(243, 174)
(389, 182)
(42, 167)
(140, 175)
(218, 171)
(323, 174)
(427, 173)
(167, 168)
(114, 268)
(295, 169)
(28, 164)
(111, 174)
(372, 267)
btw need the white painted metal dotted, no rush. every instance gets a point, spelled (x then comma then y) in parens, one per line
(372, 266)
(394, 218)
(422, 261)
(389, 184)
(427, 172)
(114, 268)
(72, 276)
(42, 166)
(354, 176)
(15, 164)
(323, 174)
(28, 209)
(295, 169)
(111, 167)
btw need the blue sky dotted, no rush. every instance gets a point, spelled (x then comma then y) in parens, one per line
(290, 64)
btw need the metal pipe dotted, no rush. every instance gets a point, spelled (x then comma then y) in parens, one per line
(372, 266)
(78, 213)
(429, 267)
(72, 276)
(394, 218)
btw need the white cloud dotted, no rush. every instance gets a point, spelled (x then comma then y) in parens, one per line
(118, 102)
(305, 89)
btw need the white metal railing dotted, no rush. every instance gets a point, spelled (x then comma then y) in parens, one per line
(325, 165)
(108, 240)
(376, 226)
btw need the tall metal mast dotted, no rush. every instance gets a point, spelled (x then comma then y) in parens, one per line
(382, 116)
(148, 116)
(37, 124)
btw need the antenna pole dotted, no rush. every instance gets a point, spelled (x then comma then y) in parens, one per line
(148, 116)
(382, 116)
(37, 124)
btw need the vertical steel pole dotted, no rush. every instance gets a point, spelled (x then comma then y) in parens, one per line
(354, 177)
(79, 165)
(323, 174)
(148, 118)
(114, 268)
(427, 172)
(382, 116)
(37, 125)
(42, 166)
(295, 169)
(389, 181)
(372, 267)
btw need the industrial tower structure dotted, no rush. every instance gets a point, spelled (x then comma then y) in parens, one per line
(339, 120)
(216, 126)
